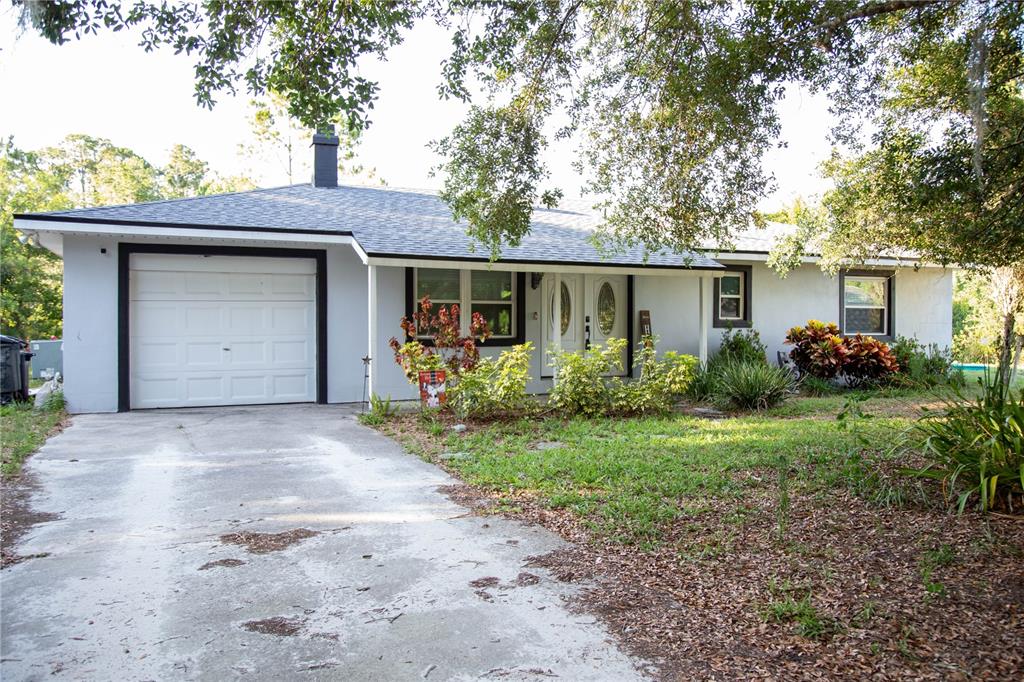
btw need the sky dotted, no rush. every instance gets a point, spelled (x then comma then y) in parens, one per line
(106, 86)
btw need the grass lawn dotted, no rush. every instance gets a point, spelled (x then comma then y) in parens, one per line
(773, 544)
(22, 431)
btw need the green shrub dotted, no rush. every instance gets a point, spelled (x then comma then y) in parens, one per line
(924, 366)
(680, 371)
(975, 448)
(494, 386)
(867, 361)
(742, 346)
(658, 384)
(751, 385)
(580, 385)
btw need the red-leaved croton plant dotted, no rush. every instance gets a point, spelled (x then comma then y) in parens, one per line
(449, 349)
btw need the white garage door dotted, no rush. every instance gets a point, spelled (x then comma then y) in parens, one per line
(221, 330)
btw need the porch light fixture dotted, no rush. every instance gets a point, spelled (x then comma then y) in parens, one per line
(535, 278)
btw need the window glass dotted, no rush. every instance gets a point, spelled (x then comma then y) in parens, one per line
(729, 308)
(865, 320)
(730, 297)
(491, 286)
(440, 285)
(864, 300)
(566, 308)
(869, 292)
(731, 285)
(606, 309)
(498, 316)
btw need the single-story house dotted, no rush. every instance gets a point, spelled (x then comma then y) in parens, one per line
(291, 294)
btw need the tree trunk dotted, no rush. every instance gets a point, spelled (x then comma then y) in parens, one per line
(1006, 349)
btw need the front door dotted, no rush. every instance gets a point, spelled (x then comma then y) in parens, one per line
(593, 311)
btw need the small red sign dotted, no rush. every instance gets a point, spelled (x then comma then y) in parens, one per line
(432, 388)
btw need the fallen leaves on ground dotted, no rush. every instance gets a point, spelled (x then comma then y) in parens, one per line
(846, 590)
(263, 543)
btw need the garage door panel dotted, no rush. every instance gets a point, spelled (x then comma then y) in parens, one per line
(204, 283)
(250, 389)
(291, 319)
(296, 352)
(202, 320)
(204, 388)
(203, 353)
(156, 284)
(203, 336)
(291, 286)
(159, 319)
(293, 386)
(156, 353)
(247, 353)
(246, 320)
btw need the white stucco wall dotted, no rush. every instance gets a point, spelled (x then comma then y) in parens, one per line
(346, 325)
(924, 305)
(923, 308)
(90, 324)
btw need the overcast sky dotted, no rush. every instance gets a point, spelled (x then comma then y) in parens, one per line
(106, 86)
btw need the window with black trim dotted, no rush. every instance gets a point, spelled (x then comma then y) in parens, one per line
(866, 303)
(493, 296)
(732, 297)
(496, 295)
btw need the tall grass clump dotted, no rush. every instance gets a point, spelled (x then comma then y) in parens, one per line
(975, 448)
(751, 385)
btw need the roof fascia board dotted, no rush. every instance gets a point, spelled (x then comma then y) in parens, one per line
(310, 236)
(30, 219)
(762, 256)
(525, 266)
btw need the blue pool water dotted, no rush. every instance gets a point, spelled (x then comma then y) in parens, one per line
(961, 365)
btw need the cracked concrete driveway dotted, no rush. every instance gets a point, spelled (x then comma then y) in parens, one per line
(397, 583)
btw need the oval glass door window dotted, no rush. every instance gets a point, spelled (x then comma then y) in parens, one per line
(606, 309)
(566, 308)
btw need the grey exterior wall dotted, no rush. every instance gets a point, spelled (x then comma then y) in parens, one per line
(923, 309)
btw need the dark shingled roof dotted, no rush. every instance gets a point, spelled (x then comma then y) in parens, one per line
(385, 222)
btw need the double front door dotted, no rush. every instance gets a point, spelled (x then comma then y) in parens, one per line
(593, 310)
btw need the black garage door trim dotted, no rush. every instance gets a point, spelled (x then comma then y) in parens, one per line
(126, 249)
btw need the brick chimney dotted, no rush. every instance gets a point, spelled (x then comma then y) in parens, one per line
(325, 157)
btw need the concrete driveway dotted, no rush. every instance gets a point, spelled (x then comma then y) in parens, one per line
(398, 583)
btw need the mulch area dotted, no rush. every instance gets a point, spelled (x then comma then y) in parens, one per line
(698, 605)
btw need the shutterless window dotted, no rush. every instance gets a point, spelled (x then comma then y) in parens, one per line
(489, 293)
(493, 296)
(442, 286)
(730, 297)
(865, 305)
